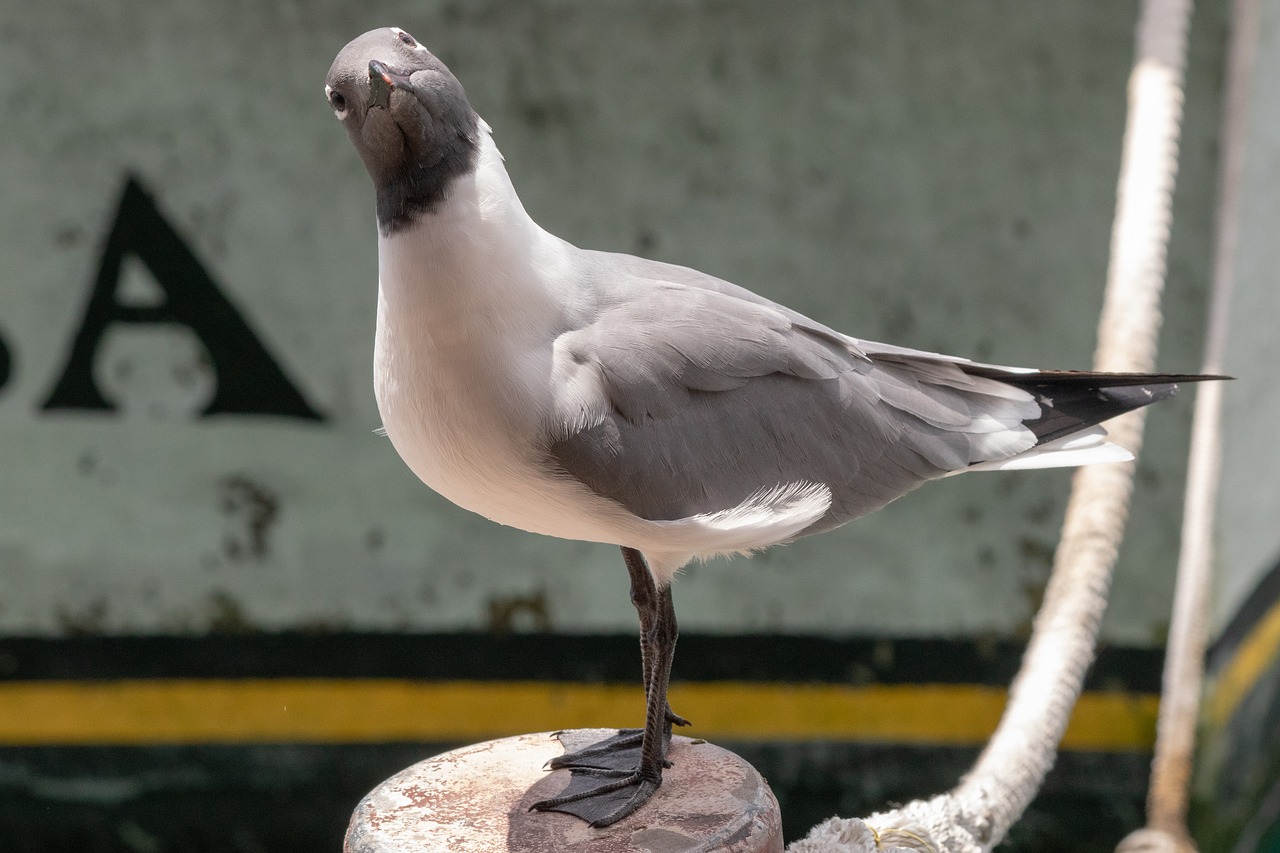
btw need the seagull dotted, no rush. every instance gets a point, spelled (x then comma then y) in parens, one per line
(608, 398)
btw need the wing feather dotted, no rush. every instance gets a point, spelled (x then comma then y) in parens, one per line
(678, 401)
(688, 395)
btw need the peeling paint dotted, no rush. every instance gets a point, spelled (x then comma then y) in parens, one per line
(90, 618)
(512, 613)
(227, 615)
(250, 510)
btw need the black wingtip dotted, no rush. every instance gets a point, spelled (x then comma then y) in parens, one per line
(1090, 378)
(1073, 400)
(1070, 403)
(1129, 397)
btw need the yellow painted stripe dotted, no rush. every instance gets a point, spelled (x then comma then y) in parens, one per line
(1253, 657)
(384, 710)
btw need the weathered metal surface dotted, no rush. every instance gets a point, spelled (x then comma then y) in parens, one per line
(476, 800)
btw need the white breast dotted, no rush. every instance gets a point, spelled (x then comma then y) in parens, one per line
(459, 417)
(470, 302)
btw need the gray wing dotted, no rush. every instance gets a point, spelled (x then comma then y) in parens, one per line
(612, 263)
(681, 400)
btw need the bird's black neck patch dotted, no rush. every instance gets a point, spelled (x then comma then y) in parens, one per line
(419, 186)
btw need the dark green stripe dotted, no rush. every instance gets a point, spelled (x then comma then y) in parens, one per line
(554, 657)
(289, 799)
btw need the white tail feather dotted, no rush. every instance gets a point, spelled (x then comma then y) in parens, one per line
(769, 517)
(1087, 447)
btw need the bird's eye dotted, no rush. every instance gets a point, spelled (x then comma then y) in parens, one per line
(406, 39)
(337, 101)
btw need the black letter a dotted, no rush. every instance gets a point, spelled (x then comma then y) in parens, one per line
(248, 380)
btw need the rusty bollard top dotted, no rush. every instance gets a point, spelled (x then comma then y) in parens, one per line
(476, 800)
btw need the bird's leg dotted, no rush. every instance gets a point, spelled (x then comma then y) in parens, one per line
(613, 778)
(644, 592)
(648, 602)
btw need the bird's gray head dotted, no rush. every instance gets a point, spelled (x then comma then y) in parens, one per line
(409, 119)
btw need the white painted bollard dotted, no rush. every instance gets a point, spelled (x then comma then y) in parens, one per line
(476, 800)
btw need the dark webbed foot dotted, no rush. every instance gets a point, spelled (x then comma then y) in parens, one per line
(602, 797)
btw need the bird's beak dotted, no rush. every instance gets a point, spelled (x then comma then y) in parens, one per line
(382, 80)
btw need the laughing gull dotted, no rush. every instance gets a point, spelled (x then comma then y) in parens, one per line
(608, 398)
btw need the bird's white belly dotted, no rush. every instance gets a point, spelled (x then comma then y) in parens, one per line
(473, 432)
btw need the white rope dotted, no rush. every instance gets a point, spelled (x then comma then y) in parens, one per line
(977, 814)
(1169, 792)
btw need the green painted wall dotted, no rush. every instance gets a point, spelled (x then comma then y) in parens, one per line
(936, 174)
